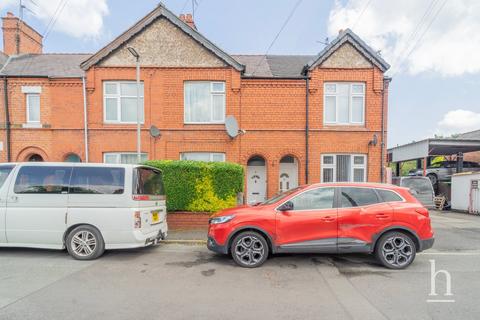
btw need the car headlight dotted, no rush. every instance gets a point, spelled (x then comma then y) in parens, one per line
(222, 219)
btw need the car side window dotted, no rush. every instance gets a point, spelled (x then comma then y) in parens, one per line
(321, 198)
(97, 180)
(42, 179)
(389, 196)
(357, 197)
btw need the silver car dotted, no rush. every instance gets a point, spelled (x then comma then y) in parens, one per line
(443, 170)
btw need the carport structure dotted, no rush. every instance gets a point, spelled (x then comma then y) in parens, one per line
(423, 151)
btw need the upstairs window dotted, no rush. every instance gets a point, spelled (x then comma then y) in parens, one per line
(33, 108)
(204, 102)
(344, 103)
(120, 102)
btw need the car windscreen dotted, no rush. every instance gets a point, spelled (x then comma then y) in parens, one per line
(4, 172)
(148, 181)
(419, 185)
(280, 196)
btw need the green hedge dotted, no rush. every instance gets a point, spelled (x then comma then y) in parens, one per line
(200, 186)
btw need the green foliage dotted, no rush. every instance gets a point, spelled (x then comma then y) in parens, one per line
(200, 186)
(406, 166)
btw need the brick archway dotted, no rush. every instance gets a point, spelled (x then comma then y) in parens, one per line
(27, 152)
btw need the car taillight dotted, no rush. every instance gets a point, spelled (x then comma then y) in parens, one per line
(422, 211)
(137, 220)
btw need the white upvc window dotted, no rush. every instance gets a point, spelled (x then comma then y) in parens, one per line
(204, 102)
(203, 156)
(344, 168)
(33, 107)
(344, 103)
(123, 157)
(120, 102)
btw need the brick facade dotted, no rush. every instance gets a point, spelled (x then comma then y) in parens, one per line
(270, 110)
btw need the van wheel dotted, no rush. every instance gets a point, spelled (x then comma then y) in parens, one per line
(395, 250)
(85, 243)
(249, 249)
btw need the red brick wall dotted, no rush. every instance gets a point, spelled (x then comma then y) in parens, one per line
(187, 220)
(30, 41)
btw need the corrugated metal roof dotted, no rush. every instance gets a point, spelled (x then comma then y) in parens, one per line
(53, 65)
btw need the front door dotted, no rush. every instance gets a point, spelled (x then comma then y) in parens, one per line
(37, 206)
(288, 177)
(256, 181)
(311, 226)
(360, 216)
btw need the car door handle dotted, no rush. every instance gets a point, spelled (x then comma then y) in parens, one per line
(382, 216)
(328, 219)
(13, 198)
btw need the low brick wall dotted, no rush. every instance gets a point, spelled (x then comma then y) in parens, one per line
(187, 220)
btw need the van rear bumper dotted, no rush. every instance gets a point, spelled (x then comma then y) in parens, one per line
(137, 238)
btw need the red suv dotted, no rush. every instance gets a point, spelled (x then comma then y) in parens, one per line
(326, 218)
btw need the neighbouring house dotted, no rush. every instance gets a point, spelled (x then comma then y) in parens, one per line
(303, 119)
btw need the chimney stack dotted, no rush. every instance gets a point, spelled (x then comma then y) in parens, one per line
(19, 37)
(188, 19)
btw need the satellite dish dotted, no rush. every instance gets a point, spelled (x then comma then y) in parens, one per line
(231, 126)
(154, 131)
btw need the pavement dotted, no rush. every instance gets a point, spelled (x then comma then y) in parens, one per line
(178, 281)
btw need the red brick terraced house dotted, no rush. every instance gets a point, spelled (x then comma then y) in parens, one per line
(302, 119)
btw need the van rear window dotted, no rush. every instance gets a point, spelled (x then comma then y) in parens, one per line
(148, 181)
(97, 180)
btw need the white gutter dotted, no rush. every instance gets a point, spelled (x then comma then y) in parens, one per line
(85, 118)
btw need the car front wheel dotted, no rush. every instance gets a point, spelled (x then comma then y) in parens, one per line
(249, 249)
(85, 243)
(395, 250)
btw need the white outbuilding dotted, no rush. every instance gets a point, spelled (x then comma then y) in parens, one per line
(466, 192)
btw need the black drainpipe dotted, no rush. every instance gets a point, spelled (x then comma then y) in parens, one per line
(7, 118)
(307, 127)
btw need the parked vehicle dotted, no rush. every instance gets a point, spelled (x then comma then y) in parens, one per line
(421, 188)
(85, 208)
(326, 218)
(443, 170)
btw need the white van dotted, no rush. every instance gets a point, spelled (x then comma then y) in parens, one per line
(85, 208)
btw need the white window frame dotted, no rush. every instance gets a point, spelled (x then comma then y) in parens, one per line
(211, 154)
(118, 96)
(118, 155)
(351, 95)
(212, 94)
(353, 166)
(27, 103)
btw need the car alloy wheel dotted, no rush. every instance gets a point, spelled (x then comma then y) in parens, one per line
(396, 250)
(84, 243)
(249, 249)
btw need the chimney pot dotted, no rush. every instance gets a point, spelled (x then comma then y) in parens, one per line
(188, 19)
(10, 15)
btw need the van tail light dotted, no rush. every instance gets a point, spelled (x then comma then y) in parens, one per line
(137, 219)
(422, 211)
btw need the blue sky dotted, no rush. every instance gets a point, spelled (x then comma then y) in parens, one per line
(435, 68)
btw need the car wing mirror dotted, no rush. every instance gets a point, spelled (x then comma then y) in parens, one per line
(287, 206)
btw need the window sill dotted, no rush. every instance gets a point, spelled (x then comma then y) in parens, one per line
(345, 127)
(33, 125)
(204, 123)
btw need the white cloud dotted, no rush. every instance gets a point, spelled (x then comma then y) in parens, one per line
(79, 18)
(458, 121)
(450, 45)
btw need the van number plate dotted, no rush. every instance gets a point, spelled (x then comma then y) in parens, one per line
(155, 217)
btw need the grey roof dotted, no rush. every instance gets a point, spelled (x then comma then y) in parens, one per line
(3, 59)
(470, 135)
(52, 65)
(277, 66)
(160, 11)
(350, 37)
